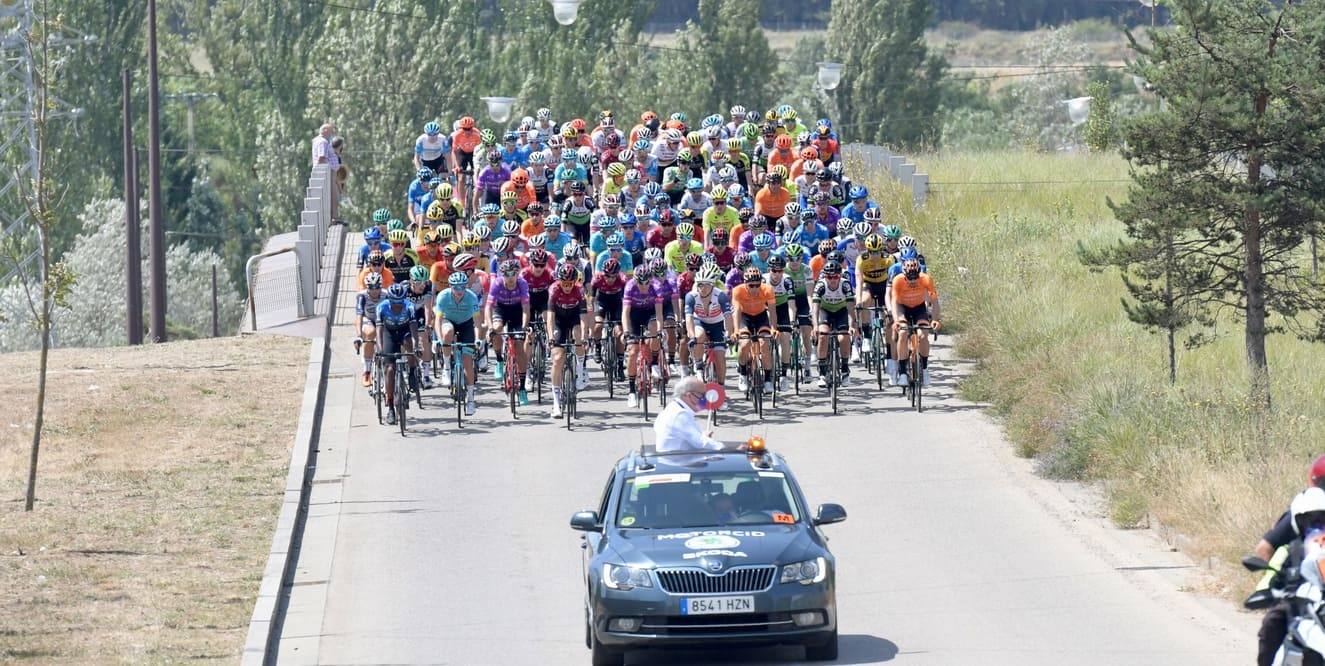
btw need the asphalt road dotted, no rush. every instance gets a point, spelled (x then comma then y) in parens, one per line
(451, 546)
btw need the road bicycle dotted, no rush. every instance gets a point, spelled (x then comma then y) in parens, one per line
(459, 380)
(705, 365)
(834, 376)
(797, 356)
(609, 354)
(915, 375)
(755, 392)
(510, 382)
(379, 384)
(645, 361)
(569, 395)
(880, 350)
(406, 374)
(538, 355)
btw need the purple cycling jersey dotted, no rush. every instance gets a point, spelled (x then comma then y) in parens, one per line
(491, 179)
(645, 298)
(501, 295)
(665, 286)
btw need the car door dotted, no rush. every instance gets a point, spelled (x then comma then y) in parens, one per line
(590, 541)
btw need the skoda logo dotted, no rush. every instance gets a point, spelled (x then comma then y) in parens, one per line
(714, 565)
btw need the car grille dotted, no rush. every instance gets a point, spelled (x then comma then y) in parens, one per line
(679, 625)
(697, 581)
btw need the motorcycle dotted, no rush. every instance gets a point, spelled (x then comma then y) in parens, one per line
(1304, 644)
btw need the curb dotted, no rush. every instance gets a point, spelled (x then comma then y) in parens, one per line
(264, 628)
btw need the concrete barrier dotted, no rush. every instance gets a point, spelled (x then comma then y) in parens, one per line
(875, 159)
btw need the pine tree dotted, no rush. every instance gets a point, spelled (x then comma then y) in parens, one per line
(890, 90)
(1225, 176)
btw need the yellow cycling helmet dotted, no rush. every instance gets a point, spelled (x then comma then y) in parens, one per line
(442, 191)
(694, 139)
(435, 210)
(789, 114)
(779, 169)
(874, 243)
(398, 236)
(470, 239)
(735, 144)
(430, 236)
(445, 231)
(616, 169)
(719, 193)
(509, 196)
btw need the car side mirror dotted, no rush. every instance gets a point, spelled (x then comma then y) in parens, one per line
(585, 521)
(1253, 563)
(829, 514)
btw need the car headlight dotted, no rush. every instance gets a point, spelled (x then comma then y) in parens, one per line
(618, 577)
(807, 572)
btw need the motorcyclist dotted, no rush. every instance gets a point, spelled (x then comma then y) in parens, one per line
(1277, 548)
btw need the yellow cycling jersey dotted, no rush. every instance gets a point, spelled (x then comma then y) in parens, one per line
(873, 268)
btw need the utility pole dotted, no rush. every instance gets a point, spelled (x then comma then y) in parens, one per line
(191, 100)
(158, 230)
(133, 256)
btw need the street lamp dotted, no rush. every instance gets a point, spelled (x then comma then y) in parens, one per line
(830, 75)
(565, 11)
(1078, 109)
(499, 108)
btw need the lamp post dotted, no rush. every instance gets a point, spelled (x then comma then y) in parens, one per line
(829, 78)
(565, 11)
(1078, 109)
(499, 108)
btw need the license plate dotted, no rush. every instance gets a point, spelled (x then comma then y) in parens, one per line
(717, 605)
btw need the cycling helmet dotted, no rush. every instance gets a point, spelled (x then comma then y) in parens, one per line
(735, 191)
(573, 250)
(874, 243)
(465, 262)
(490, 209)
(713, 133)
(906, 242)
(826, 246)
(451, 249)
(812, 167)
(837, 168)
(502, 245)
(509, 267)
(750, 132)
(397, 293)
(538, 157)
(909, 253)
(768, 128)
(873, 215)
(536, 208)
(510, 228)
(569, 132)
(709, 275)
(510, 136)
(607, 223)
(552, 222)
(611, 201)
(658, 267)
(786, 112)
(774, 178)
(776, 263)
(758, 222)
(653, 253)
(823, 176)
(736, 110)
(891, 231)
(741, 260)
(538, 257)
(372, 235)
(458, 279)
(394, 225)
(616, 169)
(843, 225)
(803, 139)
(832, 268)
(467, 123)
(685, 230)
(836, 255)
(494, 157)
(727, 174)
(862, 229)
(694, 184)
(538, 240)
(543, 114)
(642, 273)
(752, 276)
(675, 135)
(693, 262)
(577, 187)
(418, 273)
(520, 177)
(783, 142)
(663, 201)
(714, 120)
(652, 189)
(745, 214)
(585, 156)
(470, 239)
(809, 153)
(735, 144)
(764, 241)
(579, 125)
(566, 272)
(372, 281)
(718, 157)
(432, 129)
(694, 139)
(808, 215)
(680, 117)
(794, 252)
(381, 215)
(555, 141)
(632, 177)
(376, 258)
(398, 236)
(611, 266)
(443, 232)
(509, 196)
(719, 195)
(488, 137)
(684, 155)
(819, 199)
(615, 239)
(858, 192)
(793, 209)
(718, 236)
(568, 156)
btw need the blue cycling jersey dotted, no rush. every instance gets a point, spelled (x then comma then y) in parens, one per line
(367, 249)
(557, 246)
(414, 195)
(390, 317)
(849, 211)
(627, 262)
(457, 312)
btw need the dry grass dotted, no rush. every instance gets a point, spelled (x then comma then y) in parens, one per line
(1082, 389)
(158, 487)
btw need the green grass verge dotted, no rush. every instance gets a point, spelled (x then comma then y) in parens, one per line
(1080, 388)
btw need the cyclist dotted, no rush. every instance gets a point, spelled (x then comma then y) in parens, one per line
(807, 181)
(365, 313)
(510, 212)
(578, 210)
(824, 214)
(421, 299)
(825, 141)
(832, 299)
(790, 124)
(464, 141)
(823, 182)
(507, 312)
(760, 153)
(738, 159)
(492, 178)
(540, 176)
(564, 319)
(400, 259)
(721, 250)
(674, 178)
(915, 300)
(632, 238)
(771, 201)
(782, 155)
(606, 225)
(872, 268)
(615, 182)
(720, 215)
(783, 289)
(764, 245)
(708, 318)
(676, 251)
(668, 285)
(544, 125)
(519, 186)
(643, 310)
(376, 266)
(414, 195)
(399, 329)
(826, 247)
(754, 230)
(614, 248)
(534, 225)
(556, 240)
(854, 243)
(430, 251)
(431, 148)
(607, 287)
(802, 280)
(372, 240)
(736, 275)
(736, 127)
(860, 204)
(454, 322)
(805, 156)
(695, 198)
(659, 236)
(758, 314)
(513, 155)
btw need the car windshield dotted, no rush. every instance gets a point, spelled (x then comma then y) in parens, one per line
(704, 499)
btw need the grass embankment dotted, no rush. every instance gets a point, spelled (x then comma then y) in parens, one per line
(160, 478)
(1082, 389)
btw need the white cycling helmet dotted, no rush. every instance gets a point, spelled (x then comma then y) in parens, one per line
(1311, 500)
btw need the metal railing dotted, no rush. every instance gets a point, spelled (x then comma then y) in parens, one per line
(251, 278)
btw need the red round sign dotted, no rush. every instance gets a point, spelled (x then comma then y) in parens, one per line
(714, 395)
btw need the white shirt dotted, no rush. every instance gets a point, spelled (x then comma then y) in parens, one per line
(676, 430)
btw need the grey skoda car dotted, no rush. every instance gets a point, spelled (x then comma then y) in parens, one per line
(693, 549)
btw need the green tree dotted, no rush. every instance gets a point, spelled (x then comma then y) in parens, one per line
(1224, 174)
(720, 60)
(891, 86)
(1101, 129)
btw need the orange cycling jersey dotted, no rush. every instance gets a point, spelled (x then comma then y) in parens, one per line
(753, 301)
(523, 195)
(787, 158)
(464, 140)
(772, 204)
(532, 227)
(913, 294)
(439, 273)
(387, 278)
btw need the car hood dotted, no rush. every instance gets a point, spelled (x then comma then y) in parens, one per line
(715, 549)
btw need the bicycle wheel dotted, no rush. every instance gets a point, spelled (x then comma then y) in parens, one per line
(876, 342)
(757, 383)
(644, 380)
(796, 366)
(834, 372)
(917, 376)
(417, 373)
(776, 349)
(402, 396)
(568, 392)
(377, 388)
(539, 366)
(609, 360)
